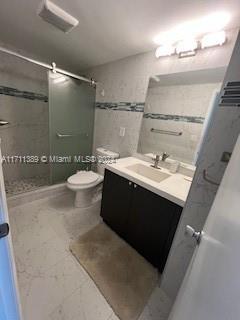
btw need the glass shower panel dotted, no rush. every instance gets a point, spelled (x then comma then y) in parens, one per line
(71, 119)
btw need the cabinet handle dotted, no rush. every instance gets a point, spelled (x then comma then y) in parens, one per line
(130, 183)
(135, 186)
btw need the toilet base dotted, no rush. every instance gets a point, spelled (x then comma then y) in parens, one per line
(87, 197)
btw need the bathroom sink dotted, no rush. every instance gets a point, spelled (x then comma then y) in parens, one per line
(148, 172)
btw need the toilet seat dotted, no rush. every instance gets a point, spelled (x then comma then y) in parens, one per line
(83, 180)
(87, 185)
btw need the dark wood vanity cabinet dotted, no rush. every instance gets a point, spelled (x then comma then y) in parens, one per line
(116, 200)
(144, 219)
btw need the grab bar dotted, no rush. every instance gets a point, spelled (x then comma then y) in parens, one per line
(62, 135)
(171, 133)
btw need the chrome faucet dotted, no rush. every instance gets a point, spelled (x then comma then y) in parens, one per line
(165, 156)
(156, 161)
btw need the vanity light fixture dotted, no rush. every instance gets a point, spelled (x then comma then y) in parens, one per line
(213, 39)
(194, 28)
(187, 46)
(182, 38)
(165, 50)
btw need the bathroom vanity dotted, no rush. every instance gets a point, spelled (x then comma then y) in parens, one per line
(143, 205)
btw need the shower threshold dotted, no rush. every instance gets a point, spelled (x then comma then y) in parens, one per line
(25, 185)
(42, 192)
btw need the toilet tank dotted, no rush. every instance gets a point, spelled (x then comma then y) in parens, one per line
(102, 152)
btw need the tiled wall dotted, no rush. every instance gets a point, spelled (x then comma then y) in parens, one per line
(178, 108)
(23, 103)
(127, 80)
(106, 130)
(115, 115)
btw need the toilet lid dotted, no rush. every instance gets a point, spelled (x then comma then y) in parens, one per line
(83, 177)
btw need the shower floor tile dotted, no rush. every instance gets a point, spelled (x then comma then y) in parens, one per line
(53, 285)
(25, 185)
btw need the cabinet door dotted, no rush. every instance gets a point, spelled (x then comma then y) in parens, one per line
(116, 200)
(151, 225)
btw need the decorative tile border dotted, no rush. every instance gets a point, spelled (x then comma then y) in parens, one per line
(7, 91)
(121, 106)
(139, 107)
(159, 116)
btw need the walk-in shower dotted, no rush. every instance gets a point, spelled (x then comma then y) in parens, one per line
(47, 122)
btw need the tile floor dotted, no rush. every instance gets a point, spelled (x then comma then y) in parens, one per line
(53, 286)
(25, 185)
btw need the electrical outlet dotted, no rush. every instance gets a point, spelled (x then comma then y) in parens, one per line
(122, 131)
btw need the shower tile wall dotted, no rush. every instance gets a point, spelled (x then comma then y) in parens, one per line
(127, 80)
(23, 103)
(180, 108)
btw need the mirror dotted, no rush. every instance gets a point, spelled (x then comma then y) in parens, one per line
(178, 111)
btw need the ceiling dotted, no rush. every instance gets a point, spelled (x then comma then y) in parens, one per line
(108, 30)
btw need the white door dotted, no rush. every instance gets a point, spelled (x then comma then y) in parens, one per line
(211, 288)
(9, 299)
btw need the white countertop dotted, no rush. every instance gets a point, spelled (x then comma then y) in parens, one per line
(175, 188)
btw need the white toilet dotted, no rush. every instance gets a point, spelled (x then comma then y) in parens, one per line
(87, 184)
